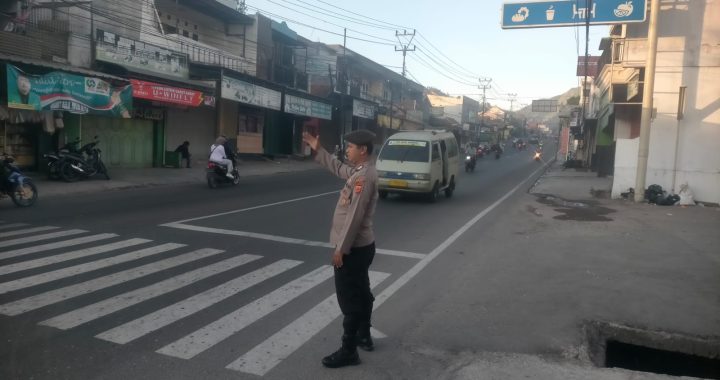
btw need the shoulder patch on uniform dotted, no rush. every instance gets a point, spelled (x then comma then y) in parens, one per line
(359, 184)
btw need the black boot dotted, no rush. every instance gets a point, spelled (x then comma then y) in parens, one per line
(364, 340)
(346, 355)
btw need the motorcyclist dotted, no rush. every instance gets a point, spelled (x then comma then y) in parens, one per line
(219, 155)
(471, 151)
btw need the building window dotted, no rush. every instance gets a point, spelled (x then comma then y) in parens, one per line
(169, 17)
(364, 89)
(185, 33)
(195, 27)
(195, 36)
(386, 93)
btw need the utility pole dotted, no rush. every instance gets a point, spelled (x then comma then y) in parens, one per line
(647, 104)
(404, 47)
(513, 98)
(484, 85)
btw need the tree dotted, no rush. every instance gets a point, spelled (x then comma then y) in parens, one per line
(573, 100)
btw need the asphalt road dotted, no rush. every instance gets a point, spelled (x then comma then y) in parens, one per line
(185, 282)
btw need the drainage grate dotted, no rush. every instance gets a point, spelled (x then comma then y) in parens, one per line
(662, 352)
(638, 358)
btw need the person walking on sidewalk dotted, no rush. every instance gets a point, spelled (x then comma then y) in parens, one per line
(184, 152)
(353, 240)
(218, 155)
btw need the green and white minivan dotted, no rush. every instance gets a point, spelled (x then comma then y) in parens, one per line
(418, 162)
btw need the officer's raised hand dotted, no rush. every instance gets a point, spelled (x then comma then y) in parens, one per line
(311, 140)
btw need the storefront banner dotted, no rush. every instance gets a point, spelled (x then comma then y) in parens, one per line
(307, 107)
(244, 92)
(58, 91)
(140, 56)
(162, 93)
(363, 109)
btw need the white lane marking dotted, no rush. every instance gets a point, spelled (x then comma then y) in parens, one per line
(27, 231)
(253, 208)
(12, 268)
(283, 239)
(57, 295)
(12, 225)
(144, 325)
(49, 246)
(265, 356)
(122, 301)
(52, 235)
(212, 334)
(407, 276)
(43, 278)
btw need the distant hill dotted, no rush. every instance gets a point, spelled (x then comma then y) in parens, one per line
(550, 118)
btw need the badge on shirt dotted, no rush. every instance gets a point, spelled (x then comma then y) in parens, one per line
(359, 184)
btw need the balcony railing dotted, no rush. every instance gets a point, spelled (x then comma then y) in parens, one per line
(198, 53)
(32, 38)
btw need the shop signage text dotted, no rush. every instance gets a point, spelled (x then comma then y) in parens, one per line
(162, 93)
(544, 13)
(307, 107)
(139, 56)
(244, 92)
(363, 109)
(59, 91)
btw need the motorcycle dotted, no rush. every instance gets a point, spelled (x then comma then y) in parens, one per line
(469, 163)
(74, 166)
(217, 174)
(538, 156)
(54, 159)
(14, 184)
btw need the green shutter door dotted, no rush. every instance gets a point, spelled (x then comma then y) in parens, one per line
(125, 143)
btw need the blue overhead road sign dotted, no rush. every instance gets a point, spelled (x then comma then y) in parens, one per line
(541, 14)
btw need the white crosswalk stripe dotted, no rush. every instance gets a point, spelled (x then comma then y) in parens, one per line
(25, 265)
(268, 354)
(43, 278)
(27, 231)
(122, 301)
(32, 239)
(11, 225)
(163, 317)
(232, 323)
(278, 344)
(57, 295)
(59, 244)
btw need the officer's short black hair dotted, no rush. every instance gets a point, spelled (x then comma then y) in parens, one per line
(361, 137)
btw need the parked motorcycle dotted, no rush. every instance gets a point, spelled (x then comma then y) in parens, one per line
(217, 174)
(14, 184)
(469, 163)
(87, 163)
(54, 159)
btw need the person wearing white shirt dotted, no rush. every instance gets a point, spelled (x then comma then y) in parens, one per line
(217, 155)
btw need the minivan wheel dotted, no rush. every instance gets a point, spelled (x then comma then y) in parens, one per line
(449, 190)
(434, 194)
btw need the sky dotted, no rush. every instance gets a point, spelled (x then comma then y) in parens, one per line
(456, 42)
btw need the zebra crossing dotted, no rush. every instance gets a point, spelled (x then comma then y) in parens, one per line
(41, 252)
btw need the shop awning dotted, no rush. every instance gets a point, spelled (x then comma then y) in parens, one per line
(59, 66)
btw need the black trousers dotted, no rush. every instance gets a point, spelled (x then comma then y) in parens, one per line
(352, 286)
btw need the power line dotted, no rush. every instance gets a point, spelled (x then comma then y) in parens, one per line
(393, 26)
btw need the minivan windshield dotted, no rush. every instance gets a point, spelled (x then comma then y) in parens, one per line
(406, 150)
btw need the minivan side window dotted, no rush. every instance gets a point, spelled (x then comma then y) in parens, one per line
(452, 148)
(435, 153)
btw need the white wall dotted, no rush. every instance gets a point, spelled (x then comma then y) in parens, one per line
(689, 56)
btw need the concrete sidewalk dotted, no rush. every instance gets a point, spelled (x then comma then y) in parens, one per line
(149, 177)
(572, 184)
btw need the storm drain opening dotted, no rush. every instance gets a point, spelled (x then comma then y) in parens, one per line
(613, 345)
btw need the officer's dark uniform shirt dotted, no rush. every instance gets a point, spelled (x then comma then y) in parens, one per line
(352, 224)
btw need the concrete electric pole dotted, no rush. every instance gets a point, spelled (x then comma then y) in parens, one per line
(404, 47)
(484, 85)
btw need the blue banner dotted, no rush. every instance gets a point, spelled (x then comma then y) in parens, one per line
(571, 13)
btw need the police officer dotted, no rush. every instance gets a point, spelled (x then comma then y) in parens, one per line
(353, 240)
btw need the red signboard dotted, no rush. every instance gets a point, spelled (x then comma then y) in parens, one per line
(167, 94)
(592, 66)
